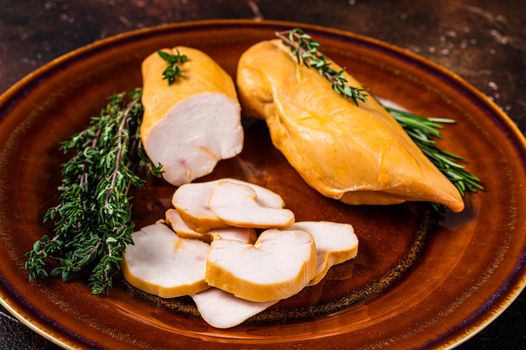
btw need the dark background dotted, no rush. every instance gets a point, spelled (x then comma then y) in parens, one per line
(482, 41)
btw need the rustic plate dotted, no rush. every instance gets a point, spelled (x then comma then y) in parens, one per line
(418, 281)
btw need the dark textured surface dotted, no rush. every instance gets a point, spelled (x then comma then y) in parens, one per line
(483, 41)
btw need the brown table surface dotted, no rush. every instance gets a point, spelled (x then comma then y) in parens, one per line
(483, 41)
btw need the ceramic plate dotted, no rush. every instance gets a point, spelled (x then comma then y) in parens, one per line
(418, 281)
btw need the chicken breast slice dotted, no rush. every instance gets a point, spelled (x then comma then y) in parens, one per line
(192, 203)
(164, 264)
(223, 310)
(236, 204)
(173, 219)
(279, 265)
(244, 235)
(335, 244)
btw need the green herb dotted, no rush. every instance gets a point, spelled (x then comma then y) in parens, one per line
(424, 132)
(305, 50)
(173, 70)
(92, 223)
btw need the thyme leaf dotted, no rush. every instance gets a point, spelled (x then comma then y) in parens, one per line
(92, 223)
(172, 70)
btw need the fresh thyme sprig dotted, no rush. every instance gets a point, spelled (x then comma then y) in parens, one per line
(173, 70)
(305, 50)
(424, 132)
(92, 223)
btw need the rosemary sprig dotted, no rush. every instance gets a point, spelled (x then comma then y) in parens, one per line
(305, 50)
(173, 70)
(92, 223)
(423, 131)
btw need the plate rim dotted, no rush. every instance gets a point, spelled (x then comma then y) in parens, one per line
(9, 97)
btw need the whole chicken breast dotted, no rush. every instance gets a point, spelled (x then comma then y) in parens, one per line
(357, 154)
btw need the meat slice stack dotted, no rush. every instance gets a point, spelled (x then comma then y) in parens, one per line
(214, 255)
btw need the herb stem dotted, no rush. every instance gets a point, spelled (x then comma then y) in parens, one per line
(120, 133)
(423, 131)
(172, 70)
(301, 50)
(305, 50)
(92, 222)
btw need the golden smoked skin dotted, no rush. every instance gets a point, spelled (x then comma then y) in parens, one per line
(359, 155)
(268, 254)
(200, 74)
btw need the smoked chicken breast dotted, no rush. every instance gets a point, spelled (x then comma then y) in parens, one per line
(357, 154)
(190, 125)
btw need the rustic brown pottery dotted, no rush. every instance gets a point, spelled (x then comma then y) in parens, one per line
(419, 281)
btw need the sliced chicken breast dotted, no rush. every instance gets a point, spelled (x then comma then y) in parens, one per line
(279, 265)
(264, 196)
(223, 310)
(161, 263)
(192, 203)
(236, 204)
(173, 218)
(244, 235)
(335, 244)
(190, 125)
